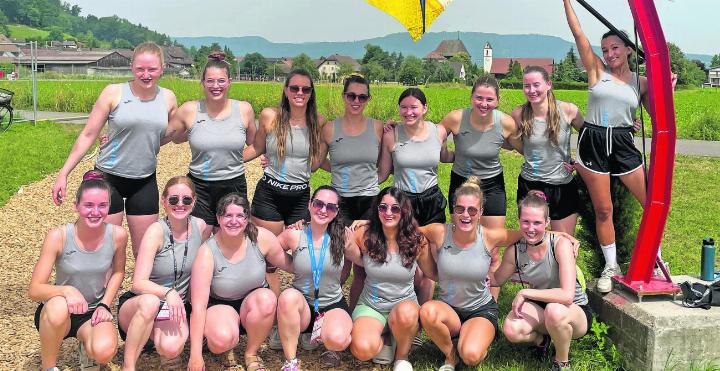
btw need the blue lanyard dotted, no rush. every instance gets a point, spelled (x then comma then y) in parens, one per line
(316, 267)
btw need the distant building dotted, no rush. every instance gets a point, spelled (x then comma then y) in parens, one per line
(459, 69)
(8, 49)
(714, 77)
(447, 49)
(329, 67)
(499, 67)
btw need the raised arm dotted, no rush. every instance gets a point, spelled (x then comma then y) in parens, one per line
(352, 249)
(593, 64)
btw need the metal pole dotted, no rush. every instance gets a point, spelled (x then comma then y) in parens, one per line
(611, 27)
(33, 63)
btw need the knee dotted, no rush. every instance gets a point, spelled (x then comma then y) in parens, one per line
(170, 347)
(555, 315)
(404, 314)
(221, 340)
(472, 357)
(265, 303)
(514, 330)
(365, 349)
(336, 339)
(429, 314)
(289, 301)
(104, 349)
(148, 306)
(55, 312)
(603, 213)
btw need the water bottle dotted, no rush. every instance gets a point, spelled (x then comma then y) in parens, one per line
(707, 260)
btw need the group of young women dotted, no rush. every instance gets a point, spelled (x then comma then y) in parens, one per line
(206, 270)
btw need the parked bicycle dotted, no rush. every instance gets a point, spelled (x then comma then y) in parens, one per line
(6, 109)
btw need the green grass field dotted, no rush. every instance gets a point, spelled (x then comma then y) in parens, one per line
(698, 114)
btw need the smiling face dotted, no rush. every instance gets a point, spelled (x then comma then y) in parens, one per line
(468, 204)
(615, 53)
(233, 221)
(216, 83)
(535, 87)
(323, 207)
(93, 207)
(484, 100)
(389, 211)
(353, 96)
(147, 69)
(412, 111)
(533, 223)
(304, 91)
(179, 195)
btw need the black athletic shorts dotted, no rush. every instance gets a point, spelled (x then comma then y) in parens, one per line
(134, 196)
(277, 201)
(342, 304)
(235, 304)
(127, 295)
(355, 208)
(563, 199)
(608, 150)
(493, 188)
(489, 311)
(585, 308)
(210, 192)
(76, 320)
(429, 206)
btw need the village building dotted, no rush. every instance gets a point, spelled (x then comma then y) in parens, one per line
(500, 67)
(445, 51)
(329, 67)
(714, 77)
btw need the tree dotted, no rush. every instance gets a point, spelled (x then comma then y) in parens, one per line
(411, 71)
(3, 23)
(75, 10)
(715, 61)
(122, 44)
(514, 71)
(688, 73)
(444, 73)
(254, 64)
(567, 69)
(230, 58)
(346, 69)
(304, 62)
(55, 34)
(373, 71)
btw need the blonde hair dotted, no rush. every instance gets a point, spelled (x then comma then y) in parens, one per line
(180, 179)
(150, 48)
(553, 115)
(471, 187)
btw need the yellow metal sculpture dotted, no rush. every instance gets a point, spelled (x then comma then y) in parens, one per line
(415, 15)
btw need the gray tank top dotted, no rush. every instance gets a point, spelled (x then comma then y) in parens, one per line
(330, 288)
(217, 144)
(295, 165)
(612, 103)
(387, 284)
(134, 133)
(163, 269)
(478, 152)
(87, 271)
(353, 161)
(543, 274)
(544, 161)
(463, 272)
(234, 281)
(415, 163)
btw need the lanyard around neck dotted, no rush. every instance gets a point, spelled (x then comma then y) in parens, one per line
(316, 267)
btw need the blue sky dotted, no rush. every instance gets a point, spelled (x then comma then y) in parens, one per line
(687, 23)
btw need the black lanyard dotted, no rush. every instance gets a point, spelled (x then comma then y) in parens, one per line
(172, 248)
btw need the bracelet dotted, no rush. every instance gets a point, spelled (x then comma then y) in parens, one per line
(101, 304)
(167, 292)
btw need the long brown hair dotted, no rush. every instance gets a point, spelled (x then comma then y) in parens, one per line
(553, 115)
(281, 126)
(335, 229)
(233, 198)
(408, 238)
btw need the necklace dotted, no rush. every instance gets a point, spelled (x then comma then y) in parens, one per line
(537, 243)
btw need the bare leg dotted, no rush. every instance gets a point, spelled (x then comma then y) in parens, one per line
(138, 224)
(441, 323)
(54, 325)
(272, 276)
(476, 336)
(366, 337)
(635, 182)
(599, 187)
(257, 314)
(100, 341)
(293, 315)
(564, 323)
(335, 333)
(423, 287)
(221, 328)
(566, 224)
(356, 286)
(136, 318)
(404, 326)
(528, 329)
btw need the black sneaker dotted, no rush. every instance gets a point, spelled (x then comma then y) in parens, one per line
(543, 349)
(559, 366)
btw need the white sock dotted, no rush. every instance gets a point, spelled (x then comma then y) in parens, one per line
(610, 254)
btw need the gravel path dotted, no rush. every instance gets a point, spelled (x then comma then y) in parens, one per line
(25, 220)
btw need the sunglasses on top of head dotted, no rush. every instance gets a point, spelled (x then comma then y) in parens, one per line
(471, 210)
(383, 208)
(351, 97)
(174, 200)
(319, 205)
(304, 89)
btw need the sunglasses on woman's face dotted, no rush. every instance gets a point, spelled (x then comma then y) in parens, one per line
(361, 98)
(383, 208)
(296, 88)
(174, 200)
(471, 210)
(319, 205)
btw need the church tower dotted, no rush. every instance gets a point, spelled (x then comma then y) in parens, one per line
(487, 57)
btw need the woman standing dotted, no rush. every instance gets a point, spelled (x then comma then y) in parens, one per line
(606, 146)
(137, 113)
(218, 128)
(89, 260)
(545, 126)
(315, 305)
(157, 306)
(555, 308)
(228, 288)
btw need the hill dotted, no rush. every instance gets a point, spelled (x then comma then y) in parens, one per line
(530, 46)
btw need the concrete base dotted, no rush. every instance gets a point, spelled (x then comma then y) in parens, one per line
(659, 333)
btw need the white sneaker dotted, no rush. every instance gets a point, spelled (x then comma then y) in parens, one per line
(306, 344)
(274, 342)
(387, 353)
(604, 283)
(86, 363)
(402, 365)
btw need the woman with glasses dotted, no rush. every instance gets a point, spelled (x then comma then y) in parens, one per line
(290, 136)
(137, 113)
(88, 257)
(387, 248)
(314, 308)
(218, 128)
(229, 294)
(157, 306)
